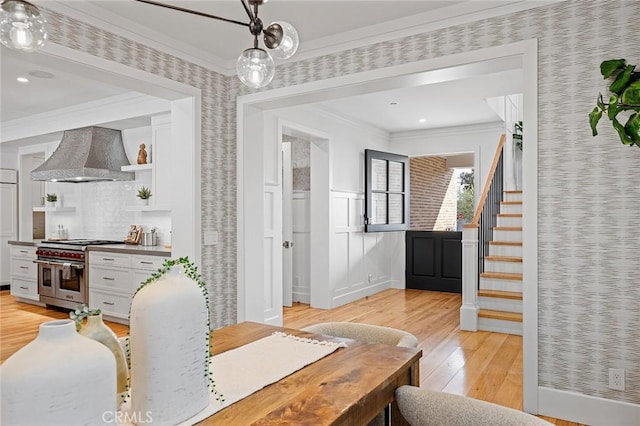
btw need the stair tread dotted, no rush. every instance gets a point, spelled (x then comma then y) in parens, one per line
(506, 243)
(509, 214)
(519, 191)
(502, 275)
(501, 315)
(507, 228)
(510, 202)
(501, 294)
(503, 258)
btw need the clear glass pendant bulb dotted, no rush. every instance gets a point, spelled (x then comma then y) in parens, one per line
(22, 27)
(255, 68)
(290, 41)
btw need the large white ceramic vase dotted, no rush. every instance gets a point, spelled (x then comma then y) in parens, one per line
(169, 346)
(60, 377)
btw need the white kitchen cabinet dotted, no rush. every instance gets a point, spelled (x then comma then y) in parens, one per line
(115, 277)
(24, 273)
(8, 220)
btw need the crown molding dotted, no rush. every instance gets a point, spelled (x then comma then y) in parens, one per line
(460, 13)
(349, 121)
(109, 110)
(467, 129)
(94, 15)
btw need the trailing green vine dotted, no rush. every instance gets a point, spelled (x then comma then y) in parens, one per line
(625, 97)
(191, 271)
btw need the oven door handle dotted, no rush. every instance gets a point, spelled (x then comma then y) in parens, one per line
(49, 263)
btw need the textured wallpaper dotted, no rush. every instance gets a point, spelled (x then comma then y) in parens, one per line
(589, 282)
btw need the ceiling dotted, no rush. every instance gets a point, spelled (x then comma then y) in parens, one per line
(319, 23)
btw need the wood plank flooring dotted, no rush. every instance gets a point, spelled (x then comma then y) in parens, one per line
(481, 365)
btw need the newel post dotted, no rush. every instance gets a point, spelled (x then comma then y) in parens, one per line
(469, 309)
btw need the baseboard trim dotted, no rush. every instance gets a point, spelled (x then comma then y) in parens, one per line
(585, 409)
(352, 296)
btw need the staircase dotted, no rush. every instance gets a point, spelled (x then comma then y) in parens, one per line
(500, 293)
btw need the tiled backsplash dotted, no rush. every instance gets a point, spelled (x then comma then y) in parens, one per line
(101, 210)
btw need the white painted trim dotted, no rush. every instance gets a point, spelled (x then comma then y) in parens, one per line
(587, 409)
(468, 129)
(109, 109)
(350, 121)
(469, 308)
(354, 295)
(530, 227)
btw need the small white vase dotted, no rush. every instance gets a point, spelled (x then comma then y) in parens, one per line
(60, 377)
(143, 201)
(169, 347)
(97, 330)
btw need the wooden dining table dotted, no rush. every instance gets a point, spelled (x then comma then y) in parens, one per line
(347, 387)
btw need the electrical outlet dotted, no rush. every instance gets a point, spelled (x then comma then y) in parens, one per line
(369, 278)
(616, 378)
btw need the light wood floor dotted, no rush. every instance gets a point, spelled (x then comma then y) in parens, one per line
(481, 365)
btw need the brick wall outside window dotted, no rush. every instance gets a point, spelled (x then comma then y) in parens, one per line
(433, 194)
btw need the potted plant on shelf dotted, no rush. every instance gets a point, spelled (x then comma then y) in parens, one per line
(52, 199)
(144, 194)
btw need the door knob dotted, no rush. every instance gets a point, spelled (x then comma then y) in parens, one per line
(287, 244)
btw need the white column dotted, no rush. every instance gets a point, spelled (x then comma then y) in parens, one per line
(469, 309)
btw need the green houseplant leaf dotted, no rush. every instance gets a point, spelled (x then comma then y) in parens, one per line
(632, 128)
(622, 80)
(625, 97)
(631, 95)
(607, 68)
(594, 117)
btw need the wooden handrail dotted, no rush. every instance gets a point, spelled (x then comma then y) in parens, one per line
(475, 223)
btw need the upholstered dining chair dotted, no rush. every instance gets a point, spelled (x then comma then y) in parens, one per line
(365, 333)
(371, 334)
(422, 407)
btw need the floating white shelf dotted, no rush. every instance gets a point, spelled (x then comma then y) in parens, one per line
(137, 167)
(148, 208)
(54, 209)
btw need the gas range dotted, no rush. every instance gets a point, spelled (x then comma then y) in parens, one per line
(61, 271)
(68, 249)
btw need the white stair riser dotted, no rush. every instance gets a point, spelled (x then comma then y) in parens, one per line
(510, 221)
(500, 250)
(512, 197)
(511, 208)
(500, 284)
(500, 326)
(508, 267)
(500, 304)
(500, 235)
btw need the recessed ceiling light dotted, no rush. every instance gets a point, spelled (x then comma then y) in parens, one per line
(22, 80)
(41, 74)
(423, 120)
(393, 103)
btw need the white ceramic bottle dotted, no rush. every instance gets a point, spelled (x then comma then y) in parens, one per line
(169, 346)
(60, 377)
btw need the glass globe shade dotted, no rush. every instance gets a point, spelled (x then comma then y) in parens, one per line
(289, 44)
(22, 27)
(255, 68)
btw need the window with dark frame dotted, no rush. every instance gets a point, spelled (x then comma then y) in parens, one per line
(386, 191)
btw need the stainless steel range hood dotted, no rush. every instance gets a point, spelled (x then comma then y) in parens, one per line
(88, 154)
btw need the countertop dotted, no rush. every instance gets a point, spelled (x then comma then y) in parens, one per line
(132, 249)
(113, 248)
(31, 243)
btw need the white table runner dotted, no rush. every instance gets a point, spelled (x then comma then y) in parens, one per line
(242, 371)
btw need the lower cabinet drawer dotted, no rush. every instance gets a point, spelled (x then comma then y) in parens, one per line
(116, 305)
(148, 263)
(24, 288)
(110, 279)
(24, 268)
